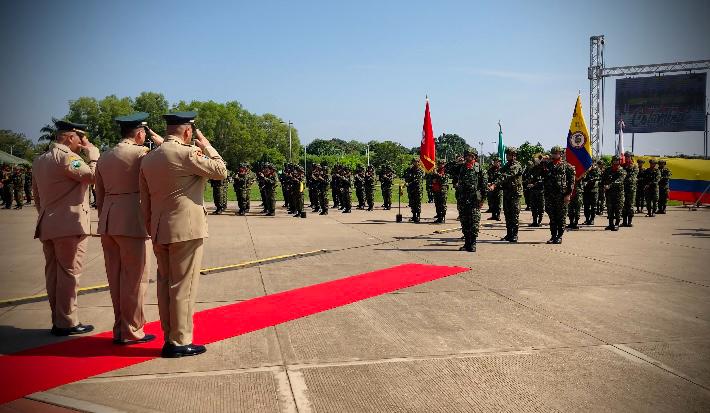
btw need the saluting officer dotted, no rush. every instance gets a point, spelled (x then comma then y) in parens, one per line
(172, 182)
(123, 233)
(60, 183)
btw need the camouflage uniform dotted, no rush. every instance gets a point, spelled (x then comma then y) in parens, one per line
(428, 177)
(535, 184)
(386, 179)
(590, 188)
(440, 188)
(630, 182)
(7, 189)
(321, 181)
(652, 178)
(269, 179)
(370, 187)
(472, 186)
(216, 195)
(359, 182)
(639, 186)
(510, 181)
(575, 202)
(242, 187)
(663, 187)
(297, 187)
(495, 197)
(18, 184)
(613, 181)
(413, 179)
(28, 185)
(558, 184)
(335, 187)
(345, 185)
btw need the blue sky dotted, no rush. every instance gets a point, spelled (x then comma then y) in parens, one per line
(353, 70)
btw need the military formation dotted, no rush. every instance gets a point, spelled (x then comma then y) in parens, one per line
(153, 199)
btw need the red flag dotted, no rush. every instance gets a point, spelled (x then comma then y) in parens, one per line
(427, 151)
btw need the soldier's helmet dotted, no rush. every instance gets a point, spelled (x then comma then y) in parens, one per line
(640, 161)
(652, 161)
(470, 151)
(512, 150)
(615, 158)
(556, 149)
(370, 168)
(629, 154)
(662, 162)
(244, 165)
(414, 160)
(493, 158)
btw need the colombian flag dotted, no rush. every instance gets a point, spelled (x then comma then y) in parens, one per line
(427, 151)
(690, 179)
(579, 149)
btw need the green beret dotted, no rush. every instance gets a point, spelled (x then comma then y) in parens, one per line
(652, 161)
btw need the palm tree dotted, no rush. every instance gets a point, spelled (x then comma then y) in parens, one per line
(48, 131)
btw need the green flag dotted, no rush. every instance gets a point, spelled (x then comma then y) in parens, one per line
(501, 147)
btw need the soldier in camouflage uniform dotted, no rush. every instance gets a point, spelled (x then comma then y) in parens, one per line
(370, 187)
(639, 186)
(574, 207)
(651, 179)
(359, 183)
(440, 187)
(284, 177)
(413, 179)
(472, 185)
(335, 186)
(558, 183)
(297, 190)
(510, 181)
(495, 198)
(18, 184)
(270, 180)
(243, 180)
(345, 182)
(535, 183)
(428, 185)
(28, 184)
(453, 169)
(216, 195)
(590, 191)
(7, 189)
(322, 179)
(386, 179)
(630, 182)
(313, 188)
(663, 186)
(526, 191)
(613, 181)
(601, 196)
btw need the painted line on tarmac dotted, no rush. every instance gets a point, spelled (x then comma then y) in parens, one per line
(104, 287)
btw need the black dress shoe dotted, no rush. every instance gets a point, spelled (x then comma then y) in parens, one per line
(171, 351)
(146, 338)
(72, 331)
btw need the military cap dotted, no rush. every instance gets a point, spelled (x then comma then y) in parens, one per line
(556, 149)
(133, 120)
(600, 162)
(640, 161)
(414, 160)
(662, 161)
(615, 158)
(511, 149)
(179, 118)
(652, 161)
(471, 151)
(493, 157)
(628, 153)
(244, 165)
(65, 125)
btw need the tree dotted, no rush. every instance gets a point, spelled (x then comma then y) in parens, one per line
(449, 146)
(526, 151)
(16, 144)
(155, 105)
(48, 131)
(386, 152)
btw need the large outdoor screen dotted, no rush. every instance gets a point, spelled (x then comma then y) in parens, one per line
(661, 103)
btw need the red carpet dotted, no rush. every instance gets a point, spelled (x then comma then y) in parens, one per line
(43, 368)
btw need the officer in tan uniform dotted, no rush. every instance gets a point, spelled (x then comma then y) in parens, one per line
(172, 182)
(60, 180)
(123, 234)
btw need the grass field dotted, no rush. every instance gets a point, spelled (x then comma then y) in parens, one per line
(255, 196)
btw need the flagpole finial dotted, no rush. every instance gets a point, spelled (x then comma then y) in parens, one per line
(426, 97)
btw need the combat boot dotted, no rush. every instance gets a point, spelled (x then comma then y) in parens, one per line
(513, 234)
(416, 218)
(507, 234)
(560, 231)
(473, 245)
(625, 223)
(610, 227)
(553, 231)
(466, 244)
(324, 212)
(628, 222)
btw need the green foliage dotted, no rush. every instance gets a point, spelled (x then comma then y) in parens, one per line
(449, 146)
(526, 151)
(17, 144)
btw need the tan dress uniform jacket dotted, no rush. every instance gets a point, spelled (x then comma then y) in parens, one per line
(172, 183)
(60, 181)
(123, 236)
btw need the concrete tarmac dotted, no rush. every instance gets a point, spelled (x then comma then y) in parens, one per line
(606, 321)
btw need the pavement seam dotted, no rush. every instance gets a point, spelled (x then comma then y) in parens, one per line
(276, 333)
(71, 403)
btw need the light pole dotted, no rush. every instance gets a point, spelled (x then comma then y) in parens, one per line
(368, 154)
(290, 144)
(481, 153)
(12, 147)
